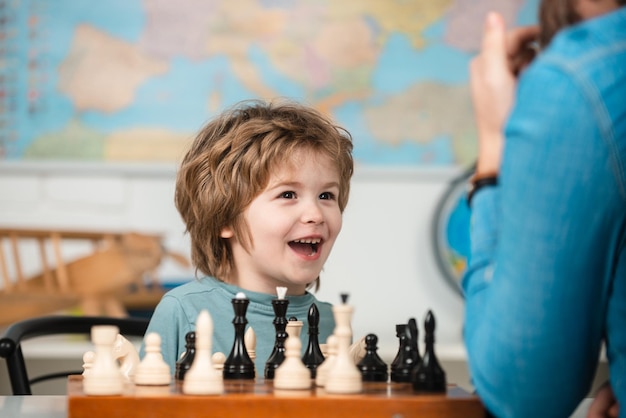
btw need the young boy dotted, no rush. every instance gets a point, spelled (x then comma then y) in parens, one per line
(261, 191)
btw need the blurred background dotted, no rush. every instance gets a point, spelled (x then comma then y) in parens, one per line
(99, 100)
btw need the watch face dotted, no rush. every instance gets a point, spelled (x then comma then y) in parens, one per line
(450, 231)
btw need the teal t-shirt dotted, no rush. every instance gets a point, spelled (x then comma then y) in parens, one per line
(176, 315)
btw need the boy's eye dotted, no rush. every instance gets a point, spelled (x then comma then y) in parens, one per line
(327, 196)
(288, 195)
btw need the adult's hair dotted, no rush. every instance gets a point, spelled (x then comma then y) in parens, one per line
(230, 163)
(554, 15)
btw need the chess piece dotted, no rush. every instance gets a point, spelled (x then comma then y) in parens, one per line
(250, 340)
(313, 356)
(292, 373)
(429, 376)
(401, 335)
(357, 350)
(402, 364)
(88, 359)
(327, 364)
(184, 363)
(218, 360)
(294, 327)
(202, 378)
(324, 348)
(153, 370)
(373, 368)
(344, 376)
(104, 377)
(277, 356)
(413, 342)
(239, 365)
(127, 356)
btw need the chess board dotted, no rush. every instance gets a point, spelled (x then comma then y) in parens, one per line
(258, 399)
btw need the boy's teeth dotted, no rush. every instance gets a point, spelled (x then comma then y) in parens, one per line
(308, 241)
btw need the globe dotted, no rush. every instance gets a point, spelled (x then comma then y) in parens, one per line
(450, 231)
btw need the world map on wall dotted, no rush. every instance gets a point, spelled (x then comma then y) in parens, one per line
(133, 80)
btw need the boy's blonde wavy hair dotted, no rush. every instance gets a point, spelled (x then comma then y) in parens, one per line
(230, 162)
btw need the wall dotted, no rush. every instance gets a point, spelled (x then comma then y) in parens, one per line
(383, 256)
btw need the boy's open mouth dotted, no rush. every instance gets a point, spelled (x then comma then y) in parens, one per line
(305, 246)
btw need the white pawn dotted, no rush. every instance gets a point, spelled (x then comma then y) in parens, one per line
(249, 340)
(294, 327)
(344, 376)
(104, 377)
(292, 373)
(153, 370)
(88, 359)
(202, 378)
(218, 359)
(322, 370)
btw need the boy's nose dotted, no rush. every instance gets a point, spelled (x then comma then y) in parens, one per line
(313, 214)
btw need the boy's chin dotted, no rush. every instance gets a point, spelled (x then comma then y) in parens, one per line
(304, 281)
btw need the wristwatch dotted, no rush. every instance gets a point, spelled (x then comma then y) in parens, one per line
(477, 183)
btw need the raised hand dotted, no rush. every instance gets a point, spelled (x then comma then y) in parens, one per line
(493, 80)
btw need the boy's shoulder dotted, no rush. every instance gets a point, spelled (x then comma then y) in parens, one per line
(201, 285)
(321, 303)
(303, 303)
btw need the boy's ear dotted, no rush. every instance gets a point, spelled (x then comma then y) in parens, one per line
(227, 232)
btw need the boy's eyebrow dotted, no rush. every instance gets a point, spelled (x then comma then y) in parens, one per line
(328, 185)
(331, 184)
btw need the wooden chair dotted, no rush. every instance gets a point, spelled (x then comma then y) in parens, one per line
(11, 351)
(115, 272)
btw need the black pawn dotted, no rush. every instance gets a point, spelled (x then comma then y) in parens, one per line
(373, 368)
(428, 376)
(401, 366)
(184, 363)
(313, 356)
(239, 365)
(280, 325)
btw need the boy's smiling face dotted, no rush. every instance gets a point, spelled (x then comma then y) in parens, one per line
(293, 224)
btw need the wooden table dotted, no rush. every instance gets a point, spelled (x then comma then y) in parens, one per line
(39, 406)
(260, 400)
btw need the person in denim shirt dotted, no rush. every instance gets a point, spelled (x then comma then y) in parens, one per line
(546, 282)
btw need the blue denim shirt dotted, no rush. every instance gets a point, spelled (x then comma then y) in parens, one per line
(546, 284)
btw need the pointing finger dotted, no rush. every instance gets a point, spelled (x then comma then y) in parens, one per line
(494, 44)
